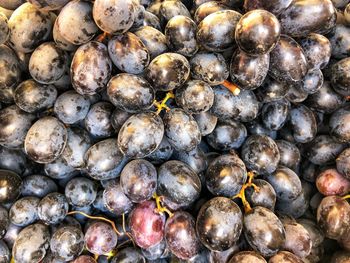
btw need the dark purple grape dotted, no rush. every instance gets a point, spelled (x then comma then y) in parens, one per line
(312, 81)
(331, 182)
(274, 6)
(67, 243)
(249, 71)
(246, 257)
(333, 216)
(178, 184)
(196, 159)
(71, 107)
(141, 135)
(285, 257)
(146, 225)
(81, 191)
(207, 8)
(4, 222)
(303, 124)
(340, 40)
(317, 50)
(128, 53)
(209, 67)
(24, 211)
(153, 39)
(304, 17)
(296, 93)
(168, 71)
(206, 122)
(287, 61)
(100, 238)
(264, 231)
(316, 235)
(151, 20)
(114, 17)
(10, 186)
(219, 224)
(260, 153)
(290, 154)
(339, 124)
(226, 175)
(340, 77)
(53, 208)
(294, 208)
(215, 31)
(265, 197)
(14, 160)
(129, 255)
(171, 8)
(45, 140)
(275, 114)
(271, 90)
(195, 96)
(155, 252)
(115, 199)
(84, 259)
(138, 180)
(257, 32)
(5, 253)
(59, 169)
(162, 153)
(257, 128)
(130, 93)
(118, 118)
(38, 186)
(343, 163)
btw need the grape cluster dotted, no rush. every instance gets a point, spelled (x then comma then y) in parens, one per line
(174, 131)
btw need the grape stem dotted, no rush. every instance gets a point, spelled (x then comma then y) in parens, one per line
(241, 193)
(346, 197)
(232, 87)
(160, 208)
(162, 105)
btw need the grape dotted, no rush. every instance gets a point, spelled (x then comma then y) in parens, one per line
(215, 31)
(48, 4)
(303, 122)
(153, 39)
(31, 244)
(219, 223)
(339, 125)
(84, 259)
(223, 256)
(100, 238)
(180, 32)
(59, 169)
(290, 154)
(294, 208)
(304, 17)
(78, 143)
(285, 257)
(209, 67)
(178, 184)
(114, 16)
(260, 153)
(257, 128)
(207, 8)
(5, 253)
(12, 5)
(103, 160)
(195, 96)
(98, 120)
(333, 216)
(340, 77)
(91, 68)
(4, 28)
(168, 71)
(257, 32)
(146, 225)
(128, 53)
(10, 73)
(50, 143)
(4, 222)
(264, 231)
(312, 81)
(343, 163)
(180, 235)
(196, 159)
(317, 50)
(271, 90)
(67, 243)
(296, 93)
(32, 97)
(331, 182)
(249, 71)
(128, 255)
(29, 27)
(81, 191)
(323, 150)
(265, 197)
(138, 180)
(226, 175)
(61, 42)
(162, 153)
(10, 186)
(24, 211)
(246, 257)
(316, 235)
(118, 118)
(287, 61)
(155, 252)
(53, 208)
(275, 113)
(340, 40)
(140, 135)
(14, 160)
(130, 93)
(298, 240)
(38, 186)
(115, 199)
(47, 63)
(171, 8)
(75, 23)
(206, 122)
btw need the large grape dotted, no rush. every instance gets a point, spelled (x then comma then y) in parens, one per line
(24, 211)
(10, 186)
(100, 238)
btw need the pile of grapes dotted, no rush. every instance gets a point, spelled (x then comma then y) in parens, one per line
(136, 131)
